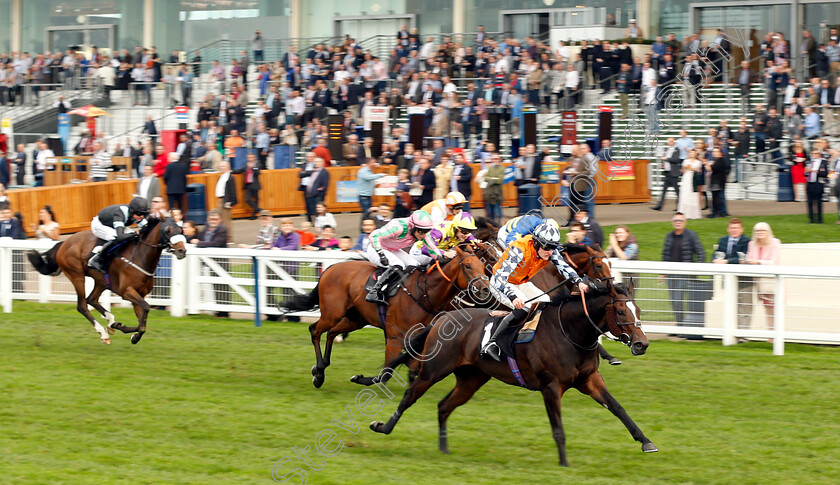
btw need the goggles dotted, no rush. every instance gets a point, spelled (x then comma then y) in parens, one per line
(457, 207)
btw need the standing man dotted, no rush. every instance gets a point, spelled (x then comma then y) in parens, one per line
(816, 171)
(671, 167)
(150, 129)
(175, 177)
(365, 183)
(316, 189)
(257, 46)
(732, 249)
(226, 198)
(251, 184)
(681, 246)
(20, 164)
(461, 179)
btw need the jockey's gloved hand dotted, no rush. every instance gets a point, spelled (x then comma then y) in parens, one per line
(120, 231)
(383, 259)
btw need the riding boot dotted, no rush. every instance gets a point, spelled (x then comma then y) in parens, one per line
(99, 258)
(376, 294)
(491, 349)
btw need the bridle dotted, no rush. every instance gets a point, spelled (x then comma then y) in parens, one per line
(624, 338)
(472, 283)
(164, 242)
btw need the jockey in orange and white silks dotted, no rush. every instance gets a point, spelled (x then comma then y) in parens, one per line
(523, 259)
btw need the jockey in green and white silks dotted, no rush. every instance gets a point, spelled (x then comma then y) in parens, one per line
(388, 246)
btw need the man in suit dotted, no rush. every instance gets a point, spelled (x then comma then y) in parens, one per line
(291, 58)
(682, 245)
(5, 172)
(251, 183)
(215, 235)
(350, 151)
(671, 166)
(316, 189)
(744, 77)
(732, 249)
(816, 171)
(461, 179)
(148, 186)
(20, 164)
(226, 197)
(150, 129)
(468, 118)
(175, 177)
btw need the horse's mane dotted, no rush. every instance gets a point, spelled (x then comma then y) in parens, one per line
(150, 225)
(485, 223)
(574, 248)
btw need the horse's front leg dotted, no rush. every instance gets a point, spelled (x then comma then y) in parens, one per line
(552, 394)
(594, 386)
(141, 310)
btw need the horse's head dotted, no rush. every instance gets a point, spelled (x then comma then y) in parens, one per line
(588, 261)
(623, 317)
(469, 274)
(172, 237)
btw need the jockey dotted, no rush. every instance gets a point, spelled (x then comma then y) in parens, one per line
(517, 227)
(446, 236)
(522, 259)
(388, 244)
(110, 223)
(445, 209)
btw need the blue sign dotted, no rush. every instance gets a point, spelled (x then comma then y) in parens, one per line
(510, 175)
(64, 129)
(284, 156)
(346, 191)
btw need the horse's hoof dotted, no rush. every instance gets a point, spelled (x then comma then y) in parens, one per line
(111, 329)
(315, 370)
(106, 341)
(445, 451)
(318, 381)
(135, 338)
(649, 447)
(614, 361)
(355, 379)
(376, 425)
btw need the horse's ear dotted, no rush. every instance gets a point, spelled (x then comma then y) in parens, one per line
(632, 285)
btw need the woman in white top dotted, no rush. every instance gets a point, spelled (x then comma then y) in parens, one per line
(689, 204)
(765, 249)
(47, 226)
(323, 218)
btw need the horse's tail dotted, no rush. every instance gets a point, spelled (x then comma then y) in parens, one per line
(300, 303)
(45, 263)
(415, 349)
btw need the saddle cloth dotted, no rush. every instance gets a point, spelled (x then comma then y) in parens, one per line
(521, 333)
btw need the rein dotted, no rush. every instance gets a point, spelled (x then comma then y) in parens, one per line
(595, 326)
(142, 241)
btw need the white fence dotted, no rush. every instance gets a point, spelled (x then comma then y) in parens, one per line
(708, 300)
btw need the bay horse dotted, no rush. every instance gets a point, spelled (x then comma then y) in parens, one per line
(562, 355)
(130, 273)
(340, 295)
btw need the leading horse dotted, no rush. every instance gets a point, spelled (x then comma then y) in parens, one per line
(130, 274)
(562, 355)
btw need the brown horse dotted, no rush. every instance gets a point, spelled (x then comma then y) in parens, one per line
(562, 355)
(131, 273)
(340, 295)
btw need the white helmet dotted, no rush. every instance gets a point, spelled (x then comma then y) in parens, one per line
(547, 234)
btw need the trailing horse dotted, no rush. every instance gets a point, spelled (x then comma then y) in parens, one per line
(563, 354)
(340, 295)
(130, 274)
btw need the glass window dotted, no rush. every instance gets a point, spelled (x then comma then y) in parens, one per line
(5, 33)
(38, 15)
(486, 12)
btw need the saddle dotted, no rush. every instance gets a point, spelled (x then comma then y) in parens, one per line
(392, 289)
(521, 333)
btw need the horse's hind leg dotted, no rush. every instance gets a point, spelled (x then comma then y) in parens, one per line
(82, 306)
(393, 347)
(315, 330)
(344, 326)
(468, 381)
(594, 386)
(425, 380)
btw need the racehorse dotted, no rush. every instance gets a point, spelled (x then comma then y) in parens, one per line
(563, 354)
(486, 229)
(130, 274)
(340, 294)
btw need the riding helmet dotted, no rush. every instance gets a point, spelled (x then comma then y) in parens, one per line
(421, 220)
(547, 234)
(454, 198)
(140, 206)
(464, 221)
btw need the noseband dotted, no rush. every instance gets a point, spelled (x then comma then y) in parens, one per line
(610, 310)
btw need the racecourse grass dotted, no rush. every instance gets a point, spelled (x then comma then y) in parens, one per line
(204, 400)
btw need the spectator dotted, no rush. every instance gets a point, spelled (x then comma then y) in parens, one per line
(366, 182)
(493, 196)
(44, 152)
(443, 175)
(689, 203)
(190, 230)
(323, 218)
(816, 172)
(577, 234)
(178, 216)
(175, 177)
(605, 153)
(267, 234)
(307, 237)
(623, 244)
(405, 202)
(326, 241)
(251, 183)
(798, 157)
(345, 243)
(381, 215)
(813, 127)
(732, 249)
(20, 164)
(150, 129)
(226, 197)
(671, 168)
(287, 239)
(368, 226)
(593, 229)
(741, 140)
(161, 161)
(322, 151)
(10, 226)
(425, 181)
(316, 188)
(5, 172)
(211, 160)
(765, 249)
(350, 151)
(3, 197)
(682, 245)
(214, 235)
(148, 186)
(461, 179)
(719, 168)
(835, 174)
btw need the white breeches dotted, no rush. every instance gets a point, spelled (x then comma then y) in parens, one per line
(395, 258)
(102, 231)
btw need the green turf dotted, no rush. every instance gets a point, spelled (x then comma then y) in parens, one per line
(204, 401)
(788, 228)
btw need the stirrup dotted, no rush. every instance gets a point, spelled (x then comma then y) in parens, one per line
(376, 297)
(491, 350)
